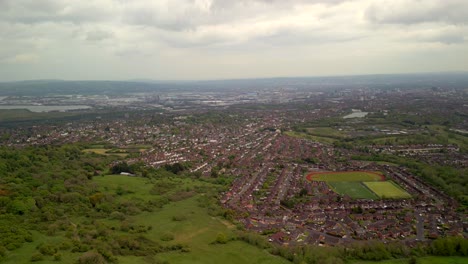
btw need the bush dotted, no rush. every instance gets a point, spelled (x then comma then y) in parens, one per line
(57, 256)
(117, 215)
(221, 238)
(125, 226)
(37, 257)
(91, 257)
(65, 245)
(167, 237)
(180, 217)
(47, 249)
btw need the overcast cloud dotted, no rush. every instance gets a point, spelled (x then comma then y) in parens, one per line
(216, 39)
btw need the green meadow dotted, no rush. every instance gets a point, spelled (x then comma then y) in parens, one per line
(183, 222)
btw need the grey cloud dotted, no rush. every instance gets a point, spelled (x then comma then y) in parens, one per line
(98, 35)
(449, 39)
(184, 15)
(292, 37)
(260, 33)
(444, 36)
(33, 12)
(147, 17)
(415, 12)
(231, 3)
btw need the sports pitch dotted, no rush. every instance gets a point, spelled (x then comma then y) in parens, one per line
(387, 189)
(360, 184)
(355, 190)
(346, 176)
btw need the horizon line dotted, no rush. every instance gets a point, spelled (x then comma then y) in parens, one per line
(233, 79)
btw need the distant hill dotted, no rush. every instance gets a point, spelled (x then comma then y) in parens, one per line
(36, 88)
(61, 87)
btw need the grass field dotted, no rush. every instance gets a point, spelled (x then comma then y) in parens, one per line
(354, 190)
(198, 231)
(326, 140)
(133, 187)
(186, 220)
(387, 189)
(424, 260)
(103, 151)
(326, 132)
(346, 176)
(122, 152)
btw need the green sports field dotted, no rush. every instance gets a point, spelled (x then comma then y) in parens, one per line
(387, 189)
(360, 184)
(354, 190)
(346, 176)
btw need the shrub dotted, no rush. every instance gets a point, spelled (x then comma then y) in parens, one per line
(2, 251)
(221, 238)
(167, 237)
(179, 217)
(91, 257)
(47, 249)
(37, 257)
(65, 245)
(117, 215)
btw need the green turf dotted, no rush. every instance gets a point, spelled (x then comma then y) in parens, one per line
(357, 176)
(354, 190)
(387, 189)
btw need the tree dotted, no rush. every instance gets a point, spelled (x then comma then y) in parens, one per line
(303, 192)
(120, 167)
(214, 172)
(221, 238)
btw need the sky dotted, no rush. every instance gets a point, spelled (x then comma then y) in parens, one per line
(227, 39)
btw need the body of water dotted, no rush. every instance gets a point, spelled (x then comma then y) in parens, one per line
(46, 108)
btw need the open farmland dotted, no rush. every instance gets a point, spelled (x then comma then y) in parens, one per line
(346, 176)
(387, 189)
(355, 190)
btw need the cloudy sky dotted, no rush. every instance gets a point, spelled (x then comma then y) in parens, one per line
(218, 39)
